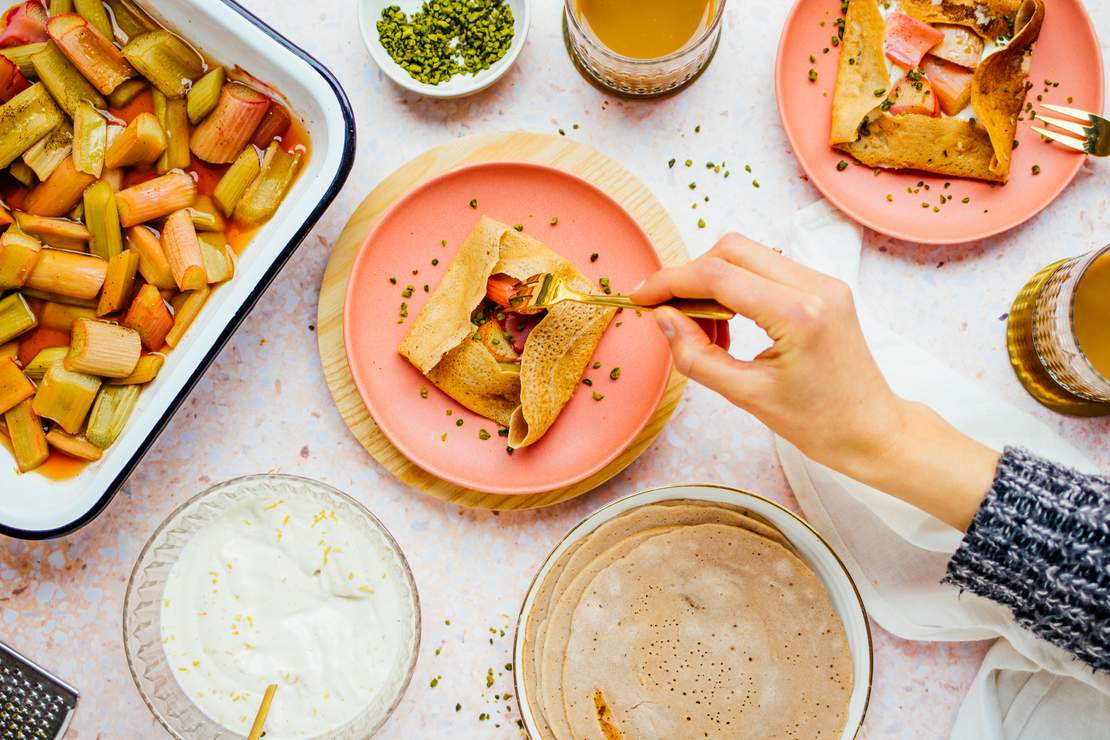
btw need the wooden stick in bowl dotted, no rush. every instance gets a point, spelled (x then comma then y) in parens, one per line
(263, 710)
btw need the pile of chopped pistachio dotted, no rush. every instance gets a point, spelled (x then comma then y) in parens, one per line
(447, 37)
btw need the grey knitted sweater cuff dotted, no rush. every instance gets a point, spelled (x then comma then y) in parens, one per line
(1040, 545)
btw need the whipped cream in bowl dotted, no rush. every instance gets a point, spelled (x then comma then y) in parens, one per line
(271, 579)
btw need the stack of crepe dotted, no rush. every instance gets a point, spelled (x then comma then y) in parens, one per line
(685, 619)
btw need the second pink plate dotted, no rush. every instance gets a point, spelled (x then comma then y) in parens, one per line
(1067, 53)
(427, 225)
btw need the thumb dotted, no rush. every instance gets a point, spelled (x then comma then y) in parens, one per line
(696, 357)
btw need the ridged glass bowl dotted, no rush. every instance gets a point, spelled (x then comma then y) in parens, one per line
(142, 637)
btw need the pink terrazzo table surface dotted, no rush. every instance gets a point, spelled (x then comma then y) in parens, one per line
(263, 405)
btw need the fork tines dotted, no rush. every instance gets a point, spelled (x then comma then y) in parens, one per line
(1094, 138)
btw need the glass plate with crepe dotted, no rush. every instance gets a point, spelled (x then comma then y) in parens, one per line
(913, 116)
(466, 386)
(692, 611)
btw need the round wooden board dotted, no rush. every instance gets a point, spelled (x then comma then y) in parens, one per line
(555, 151)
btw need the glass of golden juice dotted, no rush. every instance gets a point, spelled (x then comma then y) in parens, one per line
(642, 48)
(1059, 335)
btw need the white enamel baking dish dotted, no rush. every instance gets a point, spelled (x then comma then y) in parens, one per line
(810, 546)
(35, 507)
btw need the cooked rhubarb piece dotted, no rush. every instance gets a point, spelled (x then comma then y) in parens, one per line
(168, 62)
(43, 359)
(222, 135)
(113, 406)
(90, 139)
(119, 283)
(236, 180)
(960, 46)
(186, 308)
(130, 18)
(175, 121)
(153, 265)
(182, 250)
(141, 143)
(219, 266)
(15, 387)
(94, 13)
(492, 336)
(103, 349)
(145, 371)
(65, 397)
(205, 94)
(913, 94)
(65, 83)
(16, 317)
(68, 274)
(24, 24)
(73, 445)
(951, 84)
(28, 442)
(261, 199)
(90, 51)
(47, 153)
(155, 198)
(60, 316)
(499, 289)
(59, 193)
(149, 316)
(18, 254)
(25, 119)
(60, 233)
(12, 80)
(907, 39)
(274, 125)
(21, 56)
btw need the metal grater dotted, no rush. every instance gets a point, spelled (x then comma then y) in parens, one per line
(34, 705)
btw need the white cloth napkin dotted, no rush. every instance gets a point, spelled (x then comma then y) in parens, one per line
(1026, 687)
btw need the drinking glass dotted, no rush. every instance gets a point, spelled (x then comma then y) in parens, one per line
(639, 78)
(1044, 349)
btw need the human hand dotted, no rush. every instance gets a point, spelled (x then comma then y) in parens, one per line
(817, 385)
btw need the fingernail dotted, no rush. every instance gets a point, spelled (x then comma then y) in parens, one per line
(639, 285)
(666, 324)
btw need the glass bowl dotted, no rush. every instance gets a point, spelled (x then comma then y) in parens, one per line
(142, 637)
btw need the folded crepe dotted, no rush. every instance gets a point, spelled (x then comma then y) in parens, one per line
(445, 344)
(976, 146)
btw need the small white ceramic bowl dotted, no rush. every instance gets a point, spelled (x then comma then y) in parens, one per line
(809, 545)
(142, 627)
(459, 86)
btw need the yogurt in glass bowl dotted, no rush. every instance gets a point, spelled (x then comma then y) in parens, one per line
(271, 579)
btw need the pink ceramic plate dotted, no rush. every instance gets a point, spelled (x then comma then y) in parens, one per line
(1067, 53)
(589, 433)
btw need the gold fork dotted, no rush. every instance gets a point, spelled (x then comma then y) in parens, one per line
(545, 290)
(1096, 132)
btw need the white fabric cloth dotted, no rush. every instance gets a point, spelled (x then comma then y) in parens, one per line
(1026, 687)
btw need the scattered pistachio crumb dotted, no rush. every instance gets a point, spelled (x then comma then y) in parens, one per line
(473, 202)
(597, 396)
(1036, 169)
(701, 223)
(670, 163)
(554, 220)
(593, 257)
(518, 227)
(841, 165)
(614, 373)
(483, 434)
